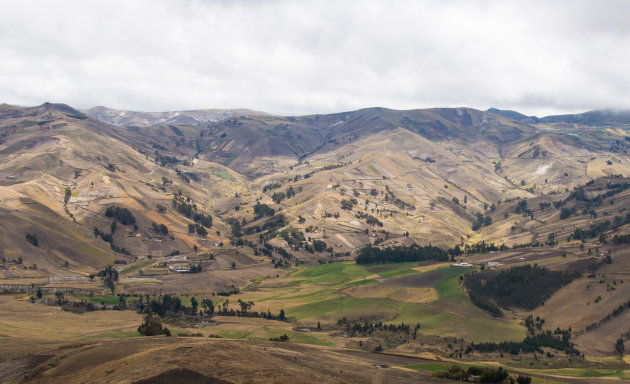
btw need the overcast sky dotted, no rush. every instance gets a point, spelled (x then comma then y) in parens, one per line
(302, 57)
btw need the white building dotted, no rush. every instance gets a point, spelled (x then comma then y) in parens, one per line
(462, 265)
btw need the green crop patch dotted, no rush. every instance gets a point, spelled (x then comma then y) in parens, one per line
(394, 270)
(335, 273)
(230, 159)
(224, 175)
(135, 267)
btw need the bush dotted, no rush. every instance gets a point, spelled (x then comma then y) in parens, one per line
(284, 338)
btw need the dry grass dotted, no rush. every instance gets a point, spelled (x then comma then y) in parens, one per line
(33, 328)
(126, 361)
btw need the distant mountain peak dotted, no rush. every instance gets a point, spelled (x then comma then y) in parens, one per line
(63, 108)
(512, 114)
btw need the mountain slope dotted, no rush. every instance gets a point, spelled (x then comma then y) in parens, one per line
(59, 173)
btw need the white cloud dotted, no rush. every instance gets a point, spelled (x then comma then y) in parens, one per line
(292, 57)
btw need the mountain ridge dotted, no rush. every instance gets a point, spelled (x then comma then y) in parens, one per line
(145, 119)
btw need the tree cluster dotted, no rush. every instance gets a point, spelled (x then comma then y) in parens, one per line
(159, 228)
(152, 326)
(122, 215)
(481, 221)
(524, 287)
(262, 210)
(558, 340)
(188, 208)
(201, 231)
(32, 238)
(399, 254)
(109, 277)
(483, 374)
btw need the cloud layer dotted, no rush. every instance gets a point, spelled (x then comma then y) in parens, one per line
(294, 57)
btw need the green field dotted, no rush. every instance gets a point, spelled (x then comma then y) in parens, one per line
(99, 299)
(333, 274)
(585, 372)
(229, 160)
(319, 293)
(225, 175)
(135, 267)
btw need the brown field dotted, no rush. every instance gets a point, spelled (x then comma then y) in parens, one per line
(396, 293)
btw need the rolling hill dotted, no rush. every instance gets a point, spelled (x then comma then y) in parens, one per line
(247, 197)
(428, 173)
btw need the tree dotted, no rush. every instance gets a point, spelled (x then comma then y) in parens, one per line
(281, 316)
(208, 305)
(109, 276)
(346, 204)
(39, 293)
(194, 304)
(619, 347)
(152, 326)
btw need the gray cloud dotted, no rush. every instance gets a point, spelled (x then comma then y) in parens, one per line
(292, 57)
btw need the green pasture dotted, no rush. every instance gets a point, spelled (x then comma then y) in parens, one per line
(98, 299)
